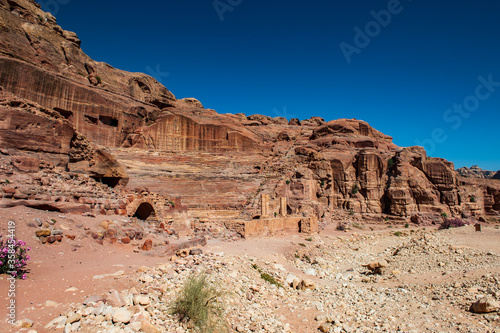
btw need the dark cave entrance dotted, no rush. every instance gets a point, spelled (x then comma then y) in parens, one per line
(145, 212)
(110, 181)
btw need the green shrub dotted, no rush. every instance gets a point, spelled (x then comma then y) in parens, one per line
(398, 233)
(355, 189)
(452, 223)
(309, 239)
(407, 225)
(390, 163)
(287, 182)
(472, 199)
(322, 183)
(357, 225)
(269, 278)
(199, 305)
(14, 258)
(444, 215)
(341, 227)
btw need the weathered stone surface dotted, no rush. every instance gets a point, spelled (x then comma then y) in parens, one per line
(62, 111)
(486, 304)
(122, 316)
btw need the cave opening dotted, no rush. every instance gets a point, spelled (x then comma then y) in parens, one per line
(145, 212)
(109, 121)
(109, 181)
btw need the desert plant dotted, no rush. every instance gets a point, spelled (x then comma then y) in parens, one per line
(355, 189)
(357, 225)
(322, 183)
(444, 215)
(14, 258)
(473, 199)
(452, 223)
(390, 163)
(351, 211)
(398, 233)
(341, 227)
(198, 303)
(407, 225)
(287, 182)
(267, 277)
(309, 239)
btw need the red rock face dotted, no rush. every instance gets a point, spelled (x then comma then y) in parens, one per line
(58, 106)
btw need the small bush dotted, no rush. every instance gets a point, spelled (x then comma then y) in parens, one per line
(14, 258)
(269, 278)
(322, 183)
(390, 163)
(355, 189)
(444, 215)
(452, 223)
(198, 304)
(472, 199)
(398, 233)
(357, 225)
(341, 227)
(309, 239)
(351, 212)
(287, 182)
(407, 225)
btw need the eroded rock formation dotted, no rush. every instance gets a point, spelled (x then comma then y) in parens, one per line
(63, 109)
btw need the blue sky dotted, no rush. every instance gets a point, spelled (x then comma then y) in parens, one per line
(408, 67)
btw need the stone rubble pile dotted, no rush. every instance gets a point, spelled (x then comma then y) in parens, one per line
(335, 292)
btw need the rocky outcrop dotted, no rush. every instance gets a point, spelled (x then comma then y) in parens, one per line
(476, 172)
(61, 109)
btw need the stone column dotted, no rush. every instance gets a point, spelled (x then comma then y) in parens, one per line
(264, 205)
(283, 209)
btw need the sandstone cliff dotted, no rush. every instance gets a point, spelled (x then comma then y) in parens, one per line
(77, 113)
(476, 172)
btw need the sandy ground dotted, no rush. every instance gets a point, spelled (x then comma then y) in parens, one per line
(60, 266)
(73, 264)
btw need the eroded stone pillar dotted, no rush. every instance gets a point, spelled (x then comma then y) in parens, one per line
(264, 205)
(283, 209)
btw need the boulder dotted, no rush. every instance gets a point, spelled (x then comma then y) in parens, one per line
(122, 316)
(486, 304)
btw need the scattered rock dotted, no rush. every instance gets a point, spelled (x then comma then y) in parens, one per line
(147, 245)
(43, 233)
(122, 316)
(486, 304)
